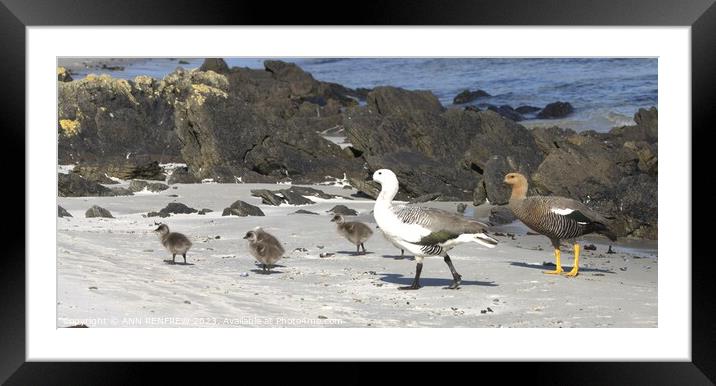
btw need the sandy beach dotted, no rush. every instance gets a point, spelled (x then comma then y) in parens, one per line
(111, 272)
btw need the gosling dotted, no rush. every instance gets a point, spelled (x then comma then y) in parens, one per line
(174, 242)
(264, 247)
(354, 231)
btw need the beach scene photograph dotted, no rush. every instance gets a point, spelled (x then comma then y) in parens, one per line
(369, 192)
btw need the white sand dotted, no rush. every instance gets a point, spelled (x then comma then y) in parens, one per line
(111, 272)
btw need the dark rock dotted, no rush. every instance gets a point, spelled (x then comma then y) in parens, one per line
(176, 208)
(479, 195)
(181, 175)
(73, 185)
(267, 197)
(293, 198)
(103, 119)
(646, 154)
(469, 96)
(311, 192)
(556, 110)
(243, 209)
(461, 207)
(581, 168)
(646, 128)
(498, 193)
(551, 138)
(61, 212)
(225, 138)
(157, 187)
(425, 198)
(497, 136)
(527, 109)
(506, 112)
(394, 100)
(117, 191)
(419, 174)
(204, 211)
(182, 61)
(637, 199)
(157, 214)
(96, 211)
(303, 211)
(217, 65)
(94, 174)
(590, 247)
(343, 210)
(500, 215)
(63, 75)
(137, 185)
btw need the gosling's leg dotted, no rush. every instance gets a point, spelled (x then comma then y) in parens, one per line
(416, 281)
(559, 269)
(402, 252)
(457, 279)
(184, 256)
(363, 246)
(174, 255)
(575, 269)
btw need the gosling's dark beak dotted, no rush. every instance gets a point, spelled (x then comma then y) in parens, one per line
(247, 237)
(368, 178)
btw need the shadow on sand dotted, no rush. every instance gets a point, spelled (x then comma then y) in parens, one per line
(429, 281)
(353, 253)
(262, 272)
(398, 257)
(169, 262)
(552, 266)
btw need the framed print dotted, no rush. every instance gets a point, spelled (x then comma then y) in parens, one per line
(434, 185)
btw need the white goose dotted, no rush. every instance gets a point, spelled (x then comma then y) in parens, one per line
(424, 231)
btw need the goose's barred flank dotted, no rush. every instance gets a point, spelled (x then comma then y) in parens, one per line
(558, 218)
(536, 212)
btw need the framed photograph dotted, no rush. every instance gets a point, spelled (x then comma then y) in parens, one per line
(433, 185)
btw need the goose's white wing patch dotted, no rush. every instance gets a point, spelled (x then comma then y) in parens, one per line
(562, 211)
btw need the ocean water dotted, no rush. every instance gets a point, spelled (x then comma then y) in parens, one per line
(605, 92)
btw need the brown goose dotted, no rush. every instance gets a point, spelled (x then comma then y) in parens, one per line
(174, 242)
(264, 247)
(555, 217)
(354, 231)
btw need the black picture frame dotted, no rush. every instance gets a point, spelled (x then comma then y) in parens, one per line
(15, 15)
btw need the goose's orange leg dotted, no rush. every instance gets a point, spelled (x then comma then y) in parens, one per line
(558, 270)
(575, 269)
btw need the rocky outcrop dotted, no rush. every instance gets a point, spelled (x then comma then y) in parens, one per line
(217, 65)
(646, 128)
(172, 208)
(270, 117)
(62, 212)
(342, 210)
(556, 110)
(63, 75)
(506, 111)
(97, 211)
(124, 170)
(103, 120)
(468, 96)
(74, 185)
(243, 209)
(139, 185)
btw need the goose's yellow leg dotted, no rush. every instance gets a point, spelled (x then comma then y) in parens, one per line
(558, 270)
(575, 269)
